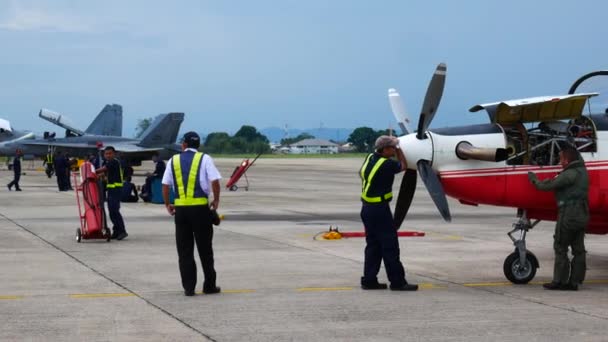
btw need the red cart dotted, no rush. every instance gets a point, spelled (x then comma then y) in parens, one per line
(239, 172)
(89, 199)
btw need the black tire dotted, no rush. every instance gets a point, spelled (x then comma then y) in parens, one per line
(78, 235)
(234, 188)
(515, 272)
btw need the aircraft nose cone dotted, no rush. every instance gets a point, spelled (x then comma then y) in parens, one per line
(416, 149)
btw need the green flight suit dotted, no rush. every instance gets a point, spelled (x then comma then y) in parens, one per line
(571, 188)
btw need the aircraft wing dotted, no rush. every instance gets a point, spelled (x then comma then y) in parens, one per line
(74, 145)
(535, 109)
(130, 148)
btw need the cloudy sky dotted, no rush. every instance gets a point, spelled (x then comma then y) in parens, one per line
(276, 62)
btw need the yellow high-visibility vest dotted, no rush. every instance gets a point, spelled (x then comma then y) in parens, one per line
(122, 179)
(367, 181)
(185, 197)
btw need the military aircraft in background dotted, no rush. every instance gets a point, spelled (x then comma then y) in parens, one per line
(488, 163)
(159, 137)
(108, 122)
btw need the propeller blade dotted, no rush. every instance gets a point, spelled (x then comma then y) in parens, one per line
(431, 181)
(399, 111)
(431, 100)
(406, 194)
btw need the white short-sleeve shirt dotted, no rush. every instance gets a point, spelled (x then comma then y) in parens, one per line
(208, 172)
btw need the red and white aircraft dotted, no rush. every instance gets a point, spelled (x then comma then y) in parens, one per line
(488, 163)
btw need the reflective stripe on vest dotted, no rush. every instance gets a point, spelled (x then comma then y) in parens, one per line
(367, 181)
(117, 184)
(186, 198)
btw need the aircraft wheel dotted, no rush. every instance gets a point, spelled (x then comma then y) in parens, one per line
(234, 188)
(518, 273)
(78, 235)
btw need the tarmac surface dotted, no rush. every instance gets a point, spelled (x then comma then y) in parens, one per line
(278, 282)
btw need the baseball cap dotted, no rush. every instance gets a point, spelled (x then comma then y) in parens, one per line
(191, 139)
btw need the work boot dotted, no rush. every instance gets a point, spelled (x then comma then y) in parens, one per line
(212, 290)
(405, 287)
(372, 285)
(552, 286)
(121, 236)
(569, 287)
(188, 293)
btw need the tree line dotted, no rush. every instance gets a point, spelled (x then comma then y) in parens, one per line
(248, 140)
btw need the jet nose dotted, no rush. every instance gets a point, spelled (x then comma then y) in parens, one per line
(416, 149)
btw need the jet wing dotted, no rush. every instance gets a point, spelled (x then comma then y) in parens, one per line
(74, 145)
(535, 109)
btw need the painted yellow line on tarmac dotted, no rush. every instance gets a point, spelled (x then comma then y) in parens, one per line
(321, 289)
(10, 297)
(101, 295)
(445, 236)
(305, 235)
(431, 286)
(502, 283)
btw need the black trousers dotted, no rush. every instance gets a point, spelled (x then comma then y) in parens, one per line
(193, 223)
(114, 209)
(382, 244)
(15, 181)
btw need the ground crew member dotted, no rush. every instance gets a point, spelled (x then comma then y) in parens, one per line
(48, 163)
(192, 175)
(16, 171)
(571, 188)
(377, 173)
(113, 170)
(61, 171)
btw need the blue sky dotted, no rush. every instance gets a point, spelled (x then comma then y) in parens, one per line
(301, 63)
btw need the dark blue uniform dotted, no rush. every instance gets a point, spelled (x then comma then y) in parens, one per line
(16, 173)
(114, 188)
(381, 234)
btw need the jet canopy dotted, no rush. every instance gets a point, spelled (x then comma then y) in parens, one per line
(536, 109)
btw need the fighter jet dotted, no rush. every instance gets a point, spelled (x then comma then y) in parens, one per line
(159, 138)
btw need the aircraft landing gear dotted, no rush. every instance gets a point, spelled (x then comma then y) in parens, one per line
(520, 266)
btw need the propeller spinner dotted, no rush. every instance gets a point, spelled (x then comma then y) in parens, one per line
(417, 149)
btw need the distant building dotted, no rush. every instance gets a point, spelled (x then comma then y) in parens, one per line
(312, 146)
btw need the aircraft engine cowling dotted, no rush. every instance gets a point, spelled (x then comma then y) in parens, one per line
(465, 150)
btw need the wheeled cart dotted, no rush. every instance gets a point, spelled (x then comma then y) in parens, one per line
(89, 198)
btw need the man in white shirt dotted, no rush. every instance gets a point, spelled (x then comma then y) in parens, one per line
(192, 174)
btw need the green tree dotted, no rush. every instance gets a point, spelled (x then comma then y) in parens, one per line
(363, 138)
(250, 134)
(301, 136)
(142, 126)
(218, 142)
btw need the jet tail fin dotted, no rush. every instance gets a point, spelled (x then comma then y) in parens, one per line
(162, 131)
(108, 122)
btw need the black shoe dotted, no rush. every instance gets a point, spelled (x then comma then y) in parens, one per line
(552, 286)
(212, 290)
(18, 189)
(121, 236)
(569, 287)
(405, 287)
(376, 286)
(9, 187)
(189, 293)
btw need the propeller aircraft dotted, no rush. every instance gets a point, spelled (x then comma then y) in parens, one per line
(488, 163)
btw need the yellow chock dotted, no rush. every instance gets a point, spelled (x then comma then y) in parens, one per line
(332, 234)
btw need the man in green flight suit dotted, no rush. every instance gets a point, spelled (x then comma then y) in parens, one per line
(571, 188)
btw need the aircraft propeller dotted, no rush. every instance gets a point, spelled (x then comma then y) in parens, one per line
(428, 175)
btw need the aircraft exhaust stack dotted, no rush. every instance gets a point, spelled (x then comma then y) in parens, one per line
(464, 150)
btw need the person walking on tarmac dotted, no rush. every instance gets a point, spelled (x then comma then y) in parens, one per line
(16, 171)
(571, 188)
(193, 175)
(377, 174)
(113, 171)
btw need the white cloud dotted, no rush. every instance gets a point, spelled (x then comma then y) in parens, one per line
(45, 20)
